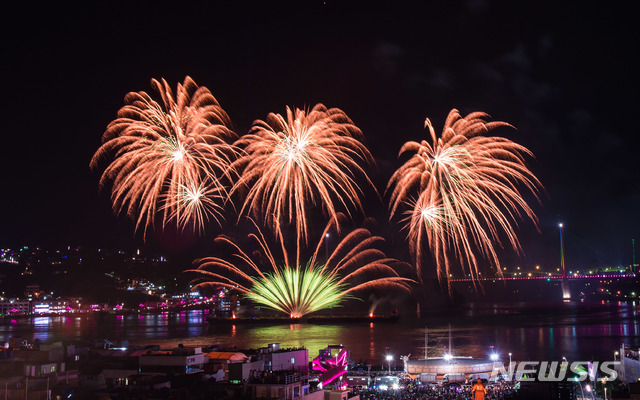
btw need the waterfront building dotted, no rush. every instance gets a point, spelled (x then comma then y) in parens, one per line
(181, 361)
(15, 306)
(45, 305)
(57, 306)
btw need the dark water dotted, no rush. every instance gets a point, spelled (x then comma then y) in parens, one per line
(530, 331)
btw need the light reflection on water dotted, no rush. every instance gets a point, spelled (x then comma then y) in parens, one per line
(529, 331)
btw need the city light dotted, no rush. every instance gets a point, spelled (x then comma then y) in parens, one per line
(494, 357)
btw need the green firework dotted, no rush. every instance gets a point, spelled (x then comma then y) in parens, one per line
(298, 291)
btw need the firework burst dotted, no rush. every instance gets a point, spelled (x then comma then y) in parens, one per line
(293, 163)
(467, 193)
(295, 289)
(169, 157)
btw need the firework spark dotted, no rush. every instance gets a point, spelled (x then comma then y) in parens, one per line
(295, 162)
(169, 157)
(297, 290)
(467, 193)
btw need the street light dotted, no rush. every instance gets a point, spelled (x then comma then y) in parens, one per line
(580, 384)
(494, 357)
(510, 373)
(389, 359)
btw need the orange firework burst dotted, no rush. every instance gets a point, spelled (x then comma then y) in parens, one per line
(169, 157)
(297, 289)
(297, 161)
(461, 191)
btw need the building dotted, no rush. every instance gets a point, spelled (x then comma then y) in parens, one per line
(242, 371)
(286, 385)
(441, 366)
(181, 361)
(221, 361)
(33, 291)
(629, 368)
(277, 359)
(339, 395)
(54, 352)
(275, 373)
(28, 377)
(15, 306)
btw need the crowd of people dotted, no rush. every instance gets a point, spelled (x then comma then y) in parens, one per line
(411, 390)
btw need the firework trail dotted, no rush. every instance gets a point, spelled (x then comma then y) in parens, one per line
(293, 163)
(297, 289)
(461, 193)
(168, 157)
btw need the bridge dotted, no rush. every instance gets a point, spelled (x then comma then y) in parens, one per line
(548, 278)
(563, 276)
(550, 288)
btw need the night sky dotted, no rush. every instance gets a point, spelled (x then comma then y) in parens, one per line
(564, 73)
